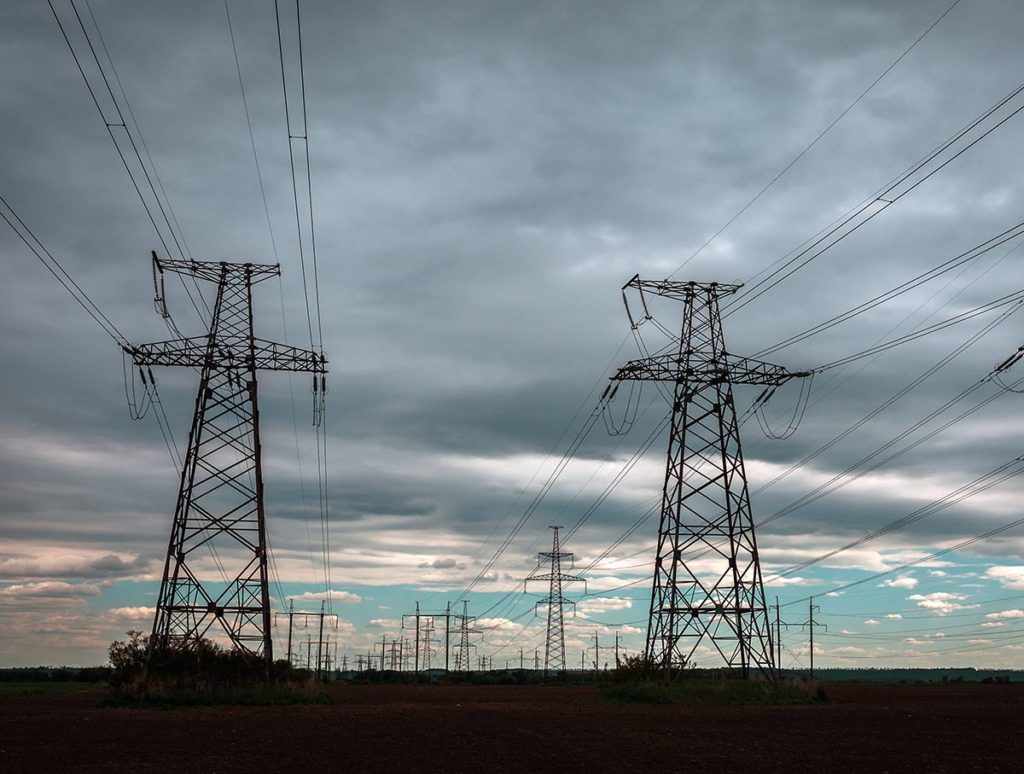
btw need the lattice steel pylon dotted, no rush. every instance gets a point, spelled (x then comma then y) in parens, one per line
(464, 646)
(220, 502)
(554, 647)
(707, 587)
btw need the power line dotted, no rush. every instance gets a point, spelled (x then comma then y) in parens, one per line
(315, 341)
(981, 484)
(291, 161)
(273, 244)
(1014, 300)
(815, 141)
(40, 251)
(122, 124)
(920, 560)
(863, 213)
(963, 258)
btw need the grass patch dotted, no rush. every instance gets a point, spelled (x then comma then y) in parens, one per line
(21, 690)
(700, 691)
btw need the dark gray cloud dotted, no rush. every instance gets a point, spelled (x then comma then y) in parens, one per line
(486, 176)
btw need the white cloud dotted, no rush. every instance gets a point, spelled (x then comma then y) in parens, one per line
(940, 602)
(978, 642)
(132, 613)
(50, 589)
(938, 573)
(502, 624)
(321, 596)
(846, 650)
(902, 582)
(1008, 576)
(443, 564)
(1005, 615)
(893, 615)
(992, 624)
(53, 563)
(795, 581)
(604, 604)
(871, 622)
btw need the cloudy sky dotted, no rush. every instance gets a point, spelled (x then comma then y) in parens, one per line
(486, 176)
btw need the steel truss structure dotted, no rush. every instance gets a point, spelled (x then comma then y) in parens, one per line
(707, 587)
(220, 501)
(554, 644)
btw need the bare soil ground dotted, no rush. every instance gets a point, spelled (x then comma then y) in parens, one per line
(395, 728)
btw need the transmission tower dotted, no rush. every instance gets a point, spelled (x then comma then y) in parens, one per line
(426, 640)
(554, 647)
(220, 499)
(464, 646)
(705, 512)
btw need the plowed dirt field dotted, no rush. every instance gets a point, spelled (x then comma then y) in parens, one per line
(393, 728)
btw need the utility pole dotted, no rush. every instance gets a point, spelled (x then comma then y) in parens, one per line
(520, 659)
(305, 616)
(554, 647)
(220, 496)
(416, 616)
(317, 668)
(320, 641)
(583, 660)
(778, 635)
(597, 657)
(447, 634)
(344, 663)
(291, 615)
(719, 601)
(811, 610)
(617, 664)
(808, 626)
(536, 659)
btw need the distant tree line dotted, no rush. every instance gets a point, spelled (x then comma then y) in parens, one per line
(50, 674)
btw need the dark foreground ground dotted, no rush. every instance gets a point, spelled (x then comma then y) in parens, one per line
(395, 728)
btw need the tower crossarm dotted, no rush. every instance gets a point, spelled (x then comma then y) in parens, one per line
(680, 291)
(193, 352)
(561, 576)
(213, 271)
(705, 368)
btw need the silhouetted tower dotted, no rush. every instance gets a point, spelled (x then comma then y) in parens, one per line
(426, 640)
(464, 646)
(554, 646)
(705, 513)
(220, 502)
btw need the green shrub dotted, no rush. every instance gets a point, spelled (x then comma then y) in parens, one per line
(178, 673)
(697, 690)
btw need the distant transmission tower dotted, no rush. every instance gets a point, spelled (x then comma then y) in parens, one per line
(464, 646)
(220, 499)
(554, 647)
(426, 640)
(705, 512)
